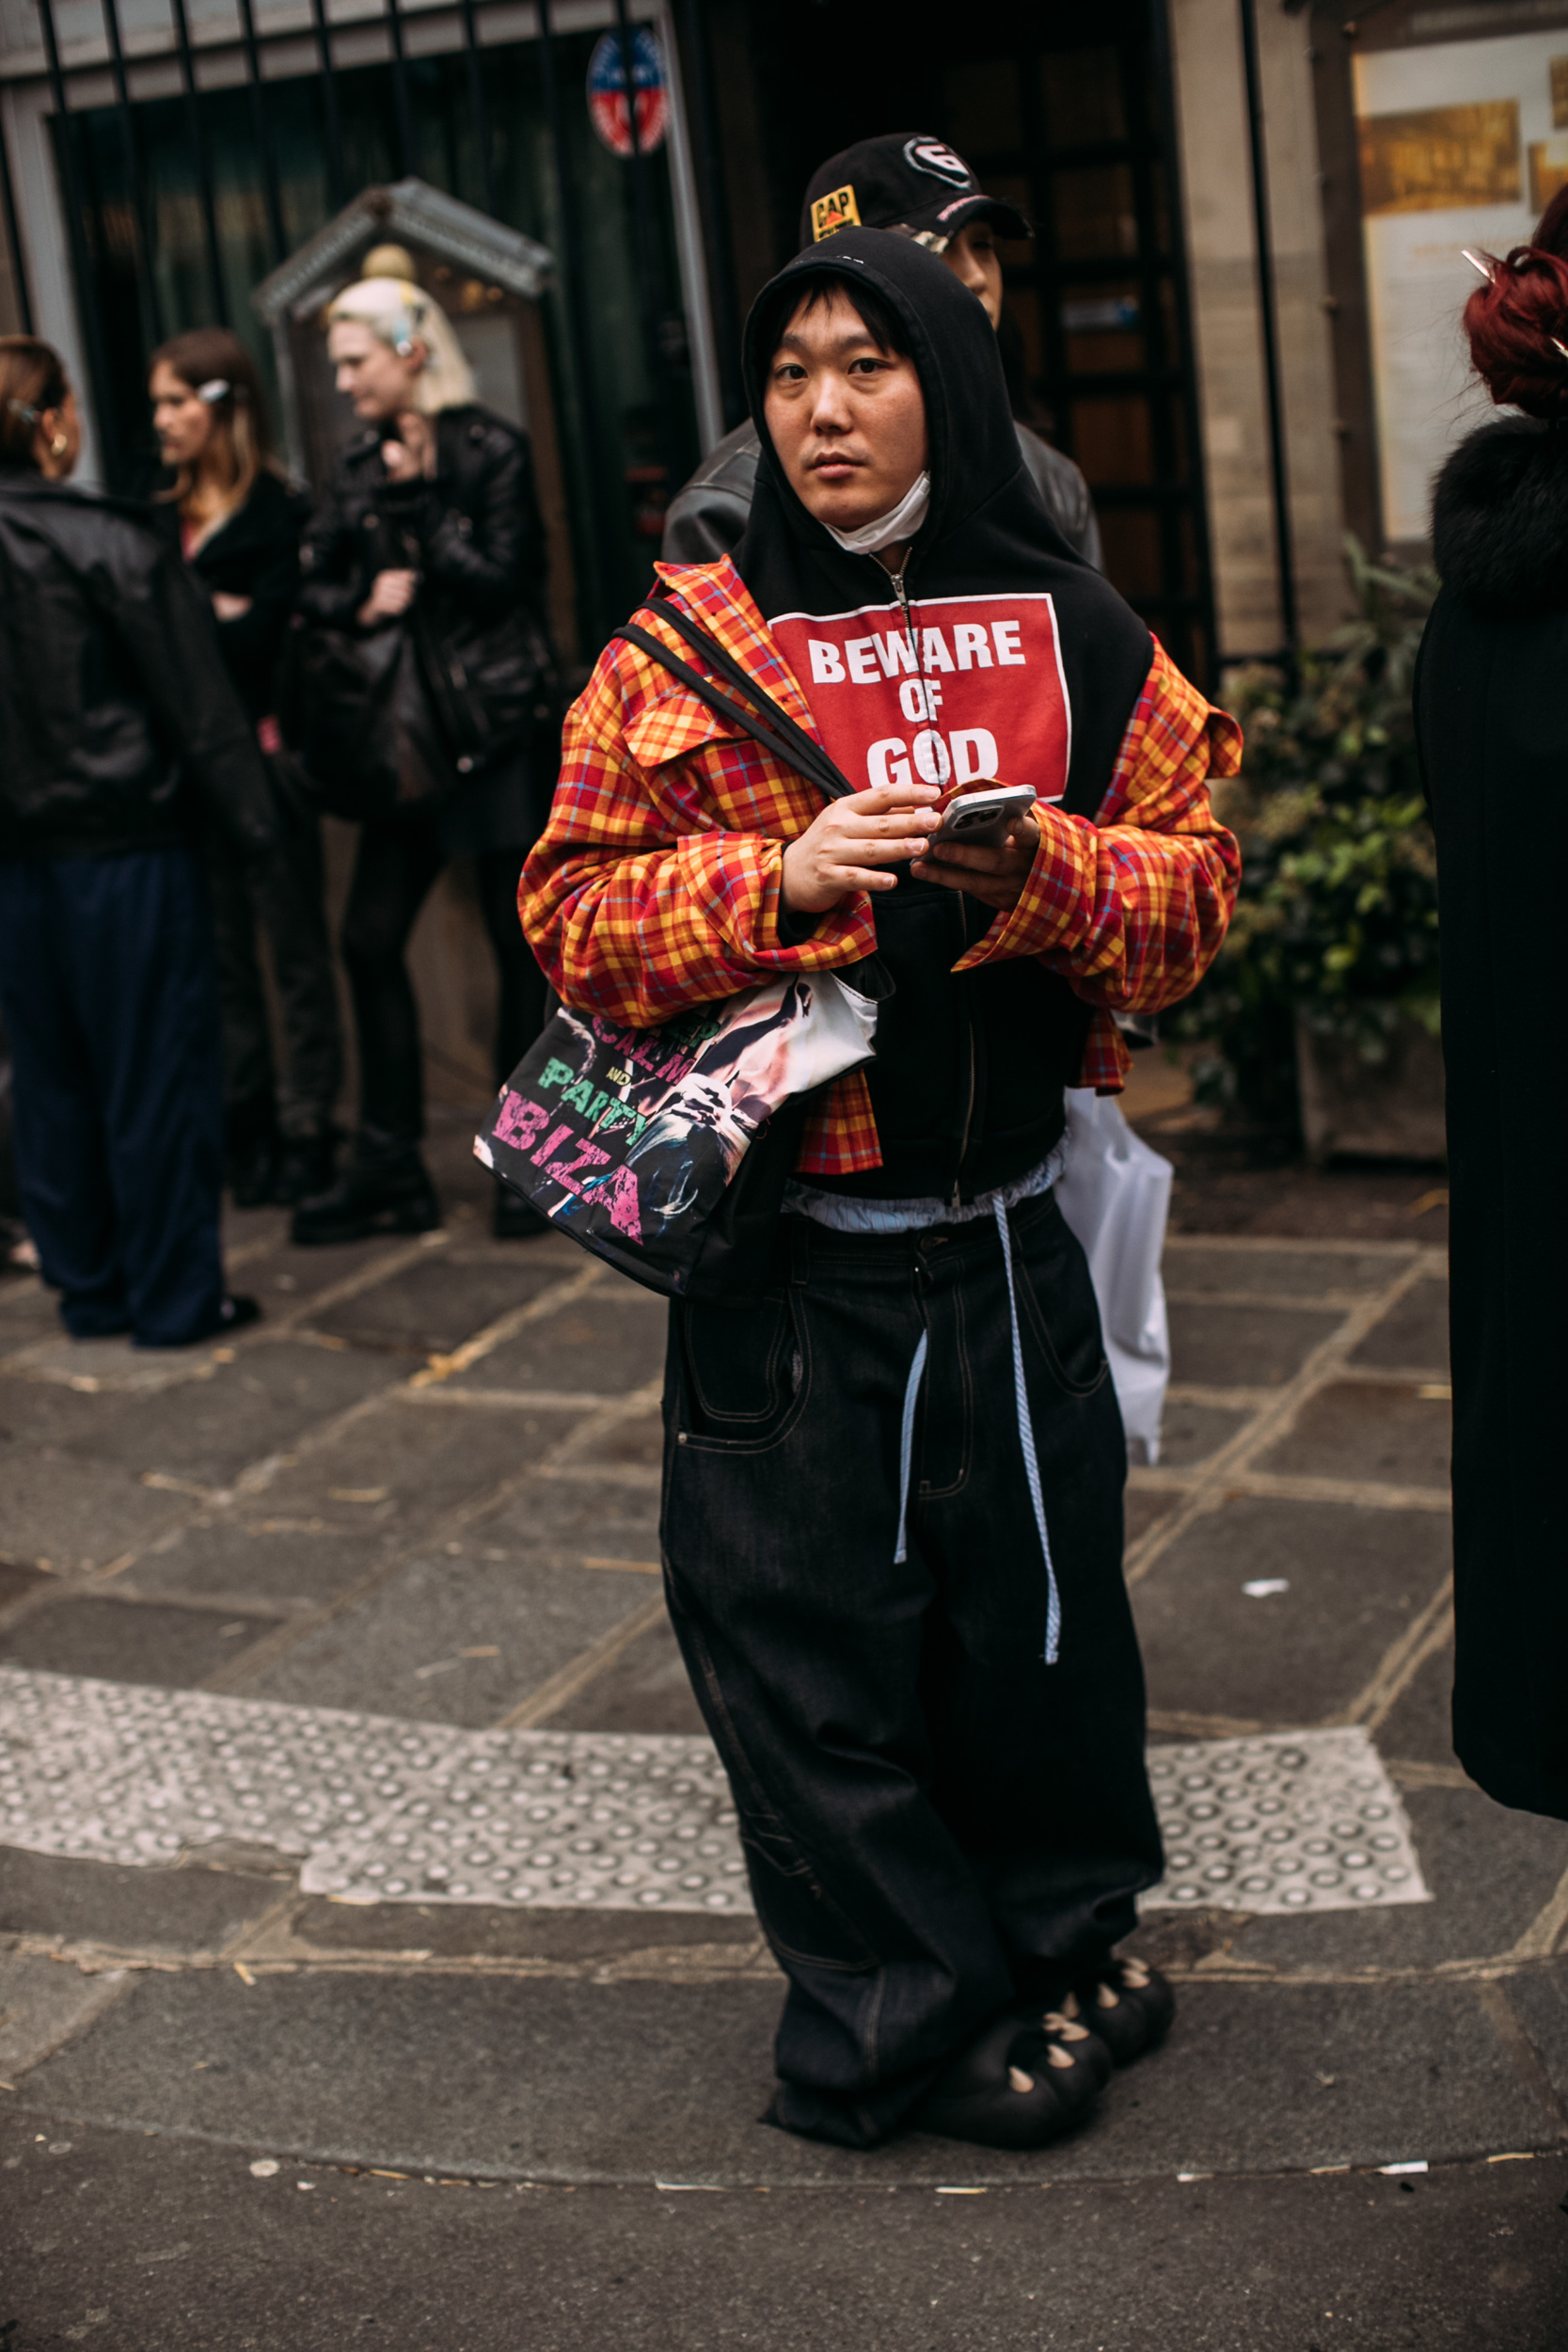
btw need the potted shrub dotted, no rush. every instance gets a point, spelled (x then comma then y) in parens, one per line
(1320, 1013)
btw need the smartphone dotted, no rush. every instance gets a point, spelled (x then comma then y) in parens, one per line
(981, 819)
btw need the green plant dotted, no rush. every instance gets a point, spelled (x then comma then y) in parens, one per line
(1337, 920)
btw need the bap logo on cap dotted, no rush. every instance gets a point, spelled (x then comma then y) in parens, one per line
(932, 156)
(834, 212)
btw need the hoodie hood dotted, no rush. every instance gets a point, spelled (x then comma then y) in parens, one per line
(1499, 520)
(986, 558)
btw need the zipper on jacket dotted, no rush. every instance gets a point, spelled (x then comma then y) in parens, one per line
(899, 590)
(902, 594)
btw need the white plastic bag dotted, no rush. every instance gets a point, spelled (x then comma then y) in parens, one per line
(1115, 1196)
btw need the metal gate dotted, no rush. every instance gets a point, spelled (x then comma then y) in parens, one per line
(101, 236)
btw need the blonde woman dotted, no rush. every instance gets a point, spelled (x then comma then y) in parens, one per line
(238, 524)
(432, 530)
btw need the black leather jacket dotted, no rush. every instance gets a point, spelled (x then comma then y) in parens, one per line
(253, 554)
(473, 533)
(117, 718)
(708, 517)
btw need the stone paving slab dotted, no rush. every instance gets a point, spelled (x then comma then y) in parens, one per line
(452, 1640)
(607, 1343)
(634, 2081)
(1418, 1723)
(436, 1306)
(1397, 1433)
(575, 1517)
(1355, 1580)
(409, 1466)
(257, 1405)
(1414, 1335)
(63, 1513)
(1297, 1270)
(1236, 1347)
(173, 1647)
(109, 1906)
(90, 1366)
(42, 2006)
(280, 1559)
(1191, 1434)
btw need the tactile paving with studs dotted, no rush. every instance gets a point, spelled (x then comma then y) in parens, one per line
(380, 1810)
(376, 1809)
(1308, 1822)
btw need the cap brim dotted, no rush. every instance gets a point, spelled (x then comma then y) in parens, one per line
(946, 220)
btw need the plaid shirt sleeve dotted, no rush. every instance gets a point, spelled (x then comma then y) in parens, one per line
(1132, 907)
(639, 900)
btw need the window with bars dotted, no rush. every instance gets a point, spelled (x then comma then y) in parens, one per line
(1072, 127)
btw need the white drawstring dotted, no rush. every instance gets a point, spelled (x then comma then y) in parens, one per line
(1026, 1440)
(906, 1446)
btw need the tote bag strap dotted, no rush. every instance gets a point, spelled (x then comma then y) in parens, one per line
(778, 733)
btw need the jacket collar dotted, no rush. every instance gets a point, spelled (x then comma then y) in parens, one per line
(716, 595)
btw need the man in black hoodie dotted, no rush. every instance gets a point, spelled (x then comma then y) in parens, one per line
(921, 188)
(892, 1526)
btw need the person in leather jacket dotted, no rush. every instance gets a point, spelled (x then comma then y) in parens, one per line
(225, 501)
(432, 514)
(923, 188)
(122, 734)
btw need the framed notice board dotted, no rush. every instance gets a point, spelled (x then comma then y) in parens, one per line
(1459, 142)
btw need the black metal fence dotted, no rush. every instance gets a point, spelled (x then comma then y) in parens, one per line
(81, 159)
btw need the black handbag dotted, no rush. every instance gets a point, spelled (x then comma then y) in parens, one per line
(342, 696)
(375, 721)
(666, 1151)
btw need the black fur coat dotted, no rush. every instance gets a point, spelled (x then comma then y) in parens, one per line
(1492, 722)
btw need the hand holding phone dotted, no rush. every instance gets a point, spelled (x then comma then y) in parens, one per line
(982, 819)
(983, 843)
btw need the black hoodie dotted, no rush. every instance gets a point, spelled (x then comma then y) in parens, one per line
(1037, 665)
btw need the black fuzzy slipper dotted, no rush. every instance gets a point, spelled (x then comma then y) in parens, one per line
(1127, 2005)
(1014, 2086)
(1065, 2022)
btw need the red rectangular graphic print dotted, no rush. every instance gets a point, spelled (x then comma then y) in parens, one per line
(970, 691)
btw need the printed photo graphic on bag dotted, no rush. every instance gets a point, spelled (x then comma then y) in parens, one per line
(632, 1136)
(971, 691)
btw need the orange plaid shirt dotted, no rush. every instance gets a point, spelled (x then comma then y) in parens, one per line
(656, 883)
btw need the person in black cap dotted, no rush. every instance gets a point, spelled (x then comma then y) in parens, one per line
(923, 188)
(892, 1528)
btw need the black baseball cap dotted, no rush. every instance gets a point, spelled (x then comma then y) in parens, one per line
(907, 181)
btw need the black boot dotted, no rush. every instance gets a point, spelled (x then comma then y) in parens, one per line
(307, 1167)
(384, 1189)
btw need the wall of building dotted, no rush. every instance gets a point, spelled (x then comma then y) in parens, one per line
(1221, 252)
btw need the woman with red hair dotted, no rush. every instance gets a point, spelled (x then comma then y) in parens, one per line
(1492, 719)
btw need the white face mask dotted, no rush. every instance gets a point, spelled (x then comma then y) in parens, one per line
(901, 522)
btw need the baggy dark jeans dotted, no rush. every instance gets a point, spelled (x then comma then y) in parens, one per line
(110, 986)
(935, 1820)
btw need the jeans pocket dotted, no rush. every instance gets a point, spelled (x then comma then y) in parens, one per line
(745, 1371)
(1060, 1310)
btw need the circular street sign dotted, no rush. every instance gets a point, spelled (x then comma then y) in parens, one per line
(607, 92)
